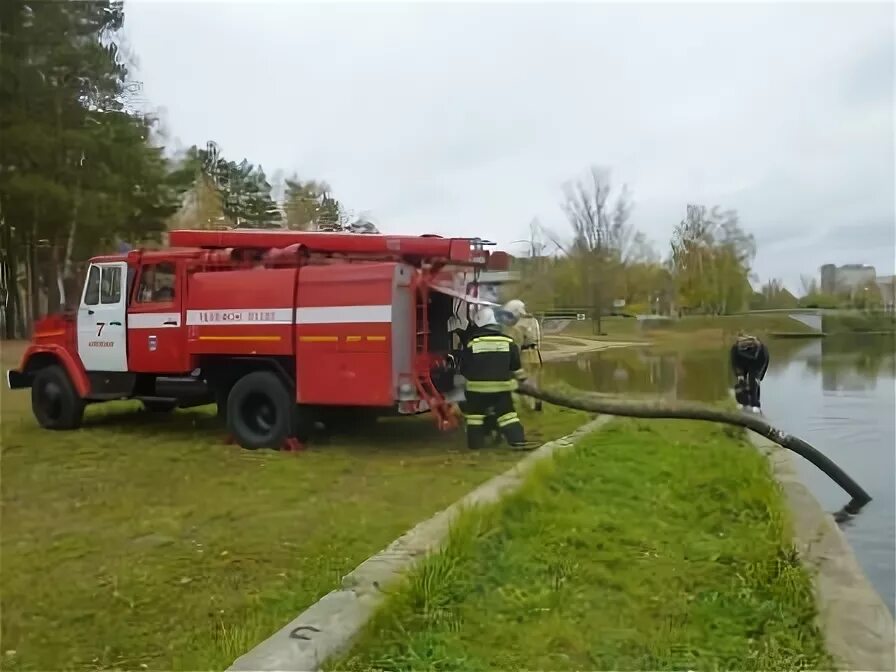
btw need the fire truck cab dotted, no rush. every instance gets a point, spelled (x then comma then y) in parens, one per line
(278, 328)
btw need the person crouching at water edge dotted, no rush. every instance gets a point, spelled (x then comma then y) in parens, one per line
(749, 360)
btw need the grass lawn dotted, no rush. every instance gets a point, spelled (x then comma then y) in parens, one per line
(653, 545)
(139, 541)
(702, 331)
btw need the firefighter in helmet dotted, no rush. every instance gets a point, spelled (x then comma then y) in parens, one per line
(490, 362)
(526, 331)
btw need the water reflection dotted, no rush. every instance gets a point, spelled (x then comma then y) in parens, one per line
(839, 364)
(836, 393)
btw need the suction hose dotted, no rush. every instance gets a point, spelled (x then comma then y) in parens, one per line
(585, 401)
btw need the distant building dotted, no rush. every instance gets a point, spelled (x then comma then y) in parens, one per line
(828, 279)
(887, 286)
(846, 279)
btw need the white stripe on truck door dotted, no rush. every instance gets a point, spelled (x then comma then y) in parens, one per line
(344, 314)
(315, 315)
(232, 317)
(153, 320)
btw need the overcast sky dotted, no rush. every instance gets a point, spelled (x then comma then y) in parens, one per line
(467, 119)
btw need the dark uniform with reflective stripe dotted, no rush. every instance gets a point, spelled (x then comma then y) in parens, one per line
(491, 364)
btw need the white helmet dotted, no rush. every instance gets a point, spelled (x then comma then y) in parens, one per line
(517, 307)
(484, 317)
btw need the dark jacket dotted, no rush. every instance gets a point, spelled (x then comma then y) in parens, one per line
(749, 355)
(491, 361)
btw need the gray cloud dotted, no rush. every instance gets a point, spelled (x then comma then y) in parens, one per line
(464, 118)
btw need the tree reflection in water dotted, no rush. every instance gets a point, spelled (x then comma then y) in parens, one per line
(840, 363)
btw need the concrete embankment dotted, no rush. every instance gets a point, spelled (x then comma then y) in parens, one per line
(563, 347)
(327, 628)
(857, 626)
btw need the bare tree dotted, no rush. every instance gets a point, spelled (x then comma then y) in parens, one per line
(602, 236)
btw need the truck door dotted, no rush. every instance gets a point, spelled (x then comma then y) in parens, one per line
(156, 338)
(102, 336)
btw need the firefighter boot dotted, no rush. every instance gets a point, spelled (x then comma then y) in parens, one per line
(475, 431)
(512, 429)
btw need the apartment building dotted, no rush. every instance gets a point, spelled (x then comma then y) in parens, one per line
(846, 279)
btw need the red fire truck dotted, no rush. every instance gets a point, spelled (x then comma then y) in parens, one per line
(275, 327)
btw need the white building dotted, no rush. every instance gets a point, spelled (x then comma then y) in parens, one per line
(887, 286)
(846, 279)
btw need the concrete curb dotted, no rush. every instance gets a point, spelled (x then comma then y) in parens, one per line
(328, 627)
(857, 626)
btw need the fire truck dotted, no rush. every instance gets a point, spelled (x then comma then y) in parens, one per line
(278, 328)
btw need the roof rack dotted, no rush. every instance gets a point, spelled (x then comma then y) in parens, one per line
(455, 251)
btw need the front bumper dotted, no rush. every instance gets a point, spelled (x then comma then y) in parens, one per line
(16, 380)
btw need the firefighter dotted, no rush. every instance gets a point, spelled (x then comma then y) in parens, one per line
(490, 362)
(527, 333)
(749, 361)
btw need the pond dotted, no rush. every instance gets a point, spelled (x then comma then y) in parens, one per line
(839, 394)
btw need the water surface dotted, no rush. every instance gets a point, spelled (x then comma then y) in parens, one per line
(839, 394)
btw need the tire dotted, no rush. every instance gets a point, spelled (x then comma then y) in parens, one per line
(260, 411)
(54, 400)
(159, 406)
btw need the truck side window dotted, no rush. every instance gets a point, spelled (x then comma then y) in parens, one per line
(156, 283)
(92, 293)
(110, 289)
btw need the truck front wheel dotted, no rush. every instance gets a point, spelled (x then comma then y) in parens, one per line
(54, 400)
(260, 411)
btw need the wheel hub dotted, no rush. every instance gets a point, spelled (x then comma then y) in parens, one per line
(51, 400)
(259, 414)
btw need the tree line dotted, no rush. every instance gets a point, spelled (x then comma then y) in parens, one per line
(606, 264)
(602, 263)
(84, 171)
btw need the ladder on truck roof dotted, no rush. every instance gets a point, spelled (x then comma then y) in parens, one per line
(411, 249)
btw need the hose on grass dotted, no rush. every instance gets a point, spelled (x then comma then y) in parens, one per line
(584, 401)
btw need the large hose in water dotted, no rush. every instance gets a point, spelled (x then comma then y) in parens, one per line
(584, 401)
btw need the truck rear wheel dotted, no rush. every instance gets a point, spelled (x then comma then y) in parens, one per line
(54, 400)
(260, 411)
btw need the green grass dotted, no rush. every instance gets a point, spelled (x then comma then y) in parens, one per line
(859, 322)
(704, 331)
(654, 545)
(149, 542)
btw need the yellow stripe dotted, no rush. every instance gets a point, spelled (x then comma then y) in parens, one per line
(239, 338)
(47, 334)
(319, 339)
(478, 347)
(491, 386)
(508, 419)
(355, 339)
(475, 420)
(496, 337)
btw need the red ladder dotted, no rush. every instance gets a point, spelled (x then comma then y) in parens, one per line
(438, 405)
